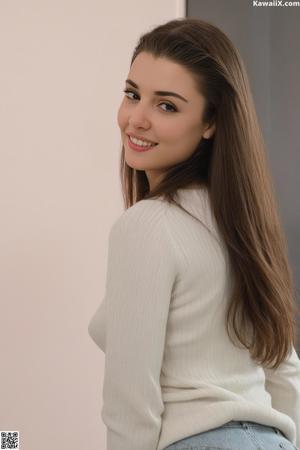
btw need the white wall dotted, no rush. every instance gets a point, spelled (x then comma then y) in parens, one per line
(63, 66)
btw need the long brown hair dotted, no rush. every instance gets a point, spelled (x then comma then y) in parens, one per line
(233, 165)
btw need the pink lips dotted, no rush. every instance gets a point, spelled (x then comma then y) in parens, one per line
(138, 148)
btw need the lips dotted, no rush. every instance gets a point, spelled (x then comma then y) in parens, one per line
(139, 148)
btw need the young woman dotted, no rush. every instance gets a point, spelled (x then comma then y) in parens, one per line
(198, 318)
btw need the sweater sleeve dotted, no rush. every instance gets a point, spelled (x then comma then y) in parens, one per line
(141, 272)
(283, 384)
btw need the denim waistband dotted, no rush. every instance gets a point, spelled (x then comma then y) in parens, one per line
(245, 424)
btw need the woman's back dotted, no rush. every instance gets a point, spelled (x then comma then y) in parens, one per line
(170, 365)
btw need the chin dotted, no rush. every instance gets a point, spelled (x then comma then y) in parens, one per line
(134, 164)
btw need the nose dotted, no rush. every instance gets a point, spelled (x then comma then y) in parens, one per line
(139, 117)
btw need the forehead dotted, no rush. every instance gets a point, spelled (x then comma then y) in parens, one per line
(152, 73)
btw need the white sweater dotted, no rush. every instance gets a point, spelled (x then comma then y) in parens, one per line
(171, 370)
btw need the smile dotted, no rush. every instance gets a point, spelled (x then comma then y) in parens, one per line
(140, 142)
(139, 145)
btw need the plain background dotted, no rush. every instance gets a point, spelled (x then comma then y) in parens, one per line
(63, 70)
(63, 66)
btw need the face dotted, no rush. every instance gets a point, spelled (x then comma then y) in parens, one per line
(173, 121)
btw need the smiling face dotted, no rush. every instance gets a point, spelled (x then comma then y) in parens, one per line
(174, 123)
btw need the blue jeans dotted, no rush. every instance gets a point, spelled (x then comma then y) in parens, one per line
(236, 435)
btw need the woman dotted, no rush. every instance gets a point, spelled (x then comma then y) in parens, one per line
(198, 319)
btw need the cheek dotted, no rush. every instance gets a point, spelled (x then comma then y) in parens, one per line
(188, 134)
(169, 130)
(183, 140)
(175, 128)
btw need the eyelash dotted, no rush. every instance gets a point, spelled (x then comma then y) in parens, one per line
(127, 91)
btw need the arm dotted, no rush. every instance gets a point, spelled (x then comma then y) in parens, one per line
(140, 277)
(283, 384)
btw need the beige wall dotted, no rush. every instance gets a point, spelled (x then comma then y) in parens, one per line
(63, 66)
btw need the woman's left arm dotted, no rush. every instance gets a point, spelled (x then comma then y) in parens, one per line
(141, 273)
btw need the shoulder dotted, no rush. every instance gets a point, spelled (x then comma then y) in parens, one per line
(145, 228)
(142, 216)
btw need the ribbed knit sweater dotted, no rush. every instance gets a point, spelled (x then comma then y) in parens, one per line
(171, 370)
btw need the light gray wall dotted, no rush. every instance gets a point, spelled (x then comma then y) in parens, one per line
(268, 40)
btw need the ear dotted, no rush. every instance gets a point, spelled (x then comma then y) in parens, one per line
(209, 131)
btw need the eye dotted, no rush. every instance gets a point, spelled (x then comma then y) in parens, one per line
(171, 106)
(128, 91)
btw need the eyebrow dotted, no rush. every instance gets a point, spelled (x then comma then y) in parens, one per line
(163, 93)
